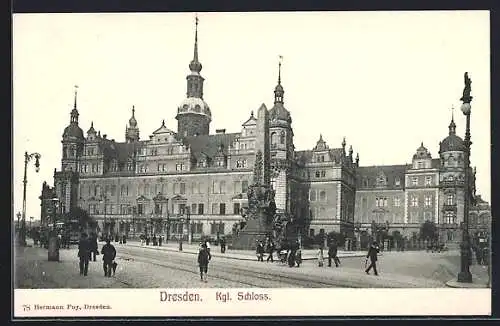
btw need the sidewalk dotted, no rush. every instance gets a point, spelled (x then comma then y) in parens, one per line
(33, 270)
(307, 254)
(479, 278)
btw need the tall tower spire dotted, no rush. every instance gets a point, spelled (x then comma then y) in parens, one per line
(278, 90)
(193, 114)
(195, 65)
(74, 112)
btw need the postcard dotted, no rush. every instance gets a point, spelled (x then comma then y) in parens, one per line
(251, 164)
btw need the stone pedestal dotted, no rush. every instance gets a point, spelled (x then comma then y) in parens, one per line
(53, 253)
(253, 231)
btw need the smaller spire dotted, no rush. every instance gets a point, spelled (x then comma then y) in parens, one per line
(320, 137)
(343, 143)
(251, 114)
(452, 126)
(76, 94)
(163, 123)
(350, 150)
(279, 69)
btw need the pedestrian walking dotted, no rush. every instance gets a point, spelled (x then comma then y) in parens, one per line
(160, 240)
(271, 247)
(207, 244)
(93, 246)
(332, 254)
(260, 251)
(147, 240)
(222, 245)
(203, 260)
(108, 256)
(320, 257)
(372, 254)
(84, 248)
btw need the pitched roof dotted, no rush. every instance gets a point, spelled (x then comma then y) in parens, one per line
(371, 173)
(209, 144)
(306, 156)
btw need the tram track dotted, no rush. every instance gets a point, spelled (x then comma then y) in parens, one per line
(231, 273)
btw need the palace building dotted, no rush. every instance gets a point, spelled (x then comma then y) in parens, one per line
(149, 184)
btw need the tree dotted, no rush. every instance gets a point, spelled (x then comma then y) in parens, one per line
(428, 230)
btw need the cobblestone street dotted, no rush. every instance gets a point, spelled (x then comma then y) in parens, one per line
(159, 267)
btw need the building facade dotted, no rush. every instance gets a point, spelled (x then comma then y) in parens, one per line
(154, 185)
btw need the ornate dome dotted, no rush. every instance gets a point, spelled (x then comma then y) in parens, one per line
(422, 152)
(73, 131)
(452, 143)
(278, 112)
(194, 105)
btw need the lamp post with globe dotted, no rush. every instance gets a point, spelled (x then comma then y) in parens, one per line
(27, 158)
(465, 276)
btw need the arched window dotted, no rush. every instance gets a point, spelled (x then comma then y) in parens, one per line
(322, 195)
(274, 138)
(282, 137)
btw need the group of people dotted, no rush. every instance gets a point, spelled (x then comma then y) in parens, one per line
(88, 249)
(332, 255)
(155, 241)
(289, 253)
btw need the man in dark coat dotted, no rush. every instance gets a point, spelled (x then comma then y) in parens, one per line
(270, 249)
(84, 249)
(260, 251)
(222, 245)
(332, 254)
(372, 254)
(203, 259)
(108, 255)
(94, 247)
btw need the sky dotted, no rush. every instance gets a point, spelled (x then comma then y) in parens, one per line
(386, 81)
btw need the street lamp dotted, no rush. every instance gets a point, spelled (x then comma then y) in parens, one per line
(31, 219)
(465, 275)
(18, 227)
(53, 252)
(27, 158)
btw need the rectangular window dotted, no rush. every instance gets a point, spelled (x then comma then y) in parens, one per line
(140, 209)
(221, 228)
(176, 188)
(312, 195)
(222, 187)
(236, 208)
(428, 201)
(215, 208)
(237, 187)
(414, 201)
(222, 209)
(414, 181)
(213, 228)
(146, 189)
(193, 208)
(397, 182)
(323, 174)
(200, 209)
(397, 202)
(215, 187)
(113, 190)
(106, 190)
(158, 209)
(244, 186)
(428, 180)
(450, 199)
(183, 188)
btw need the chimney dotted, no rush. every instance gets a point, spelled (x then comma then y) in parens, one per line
(220, 131)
